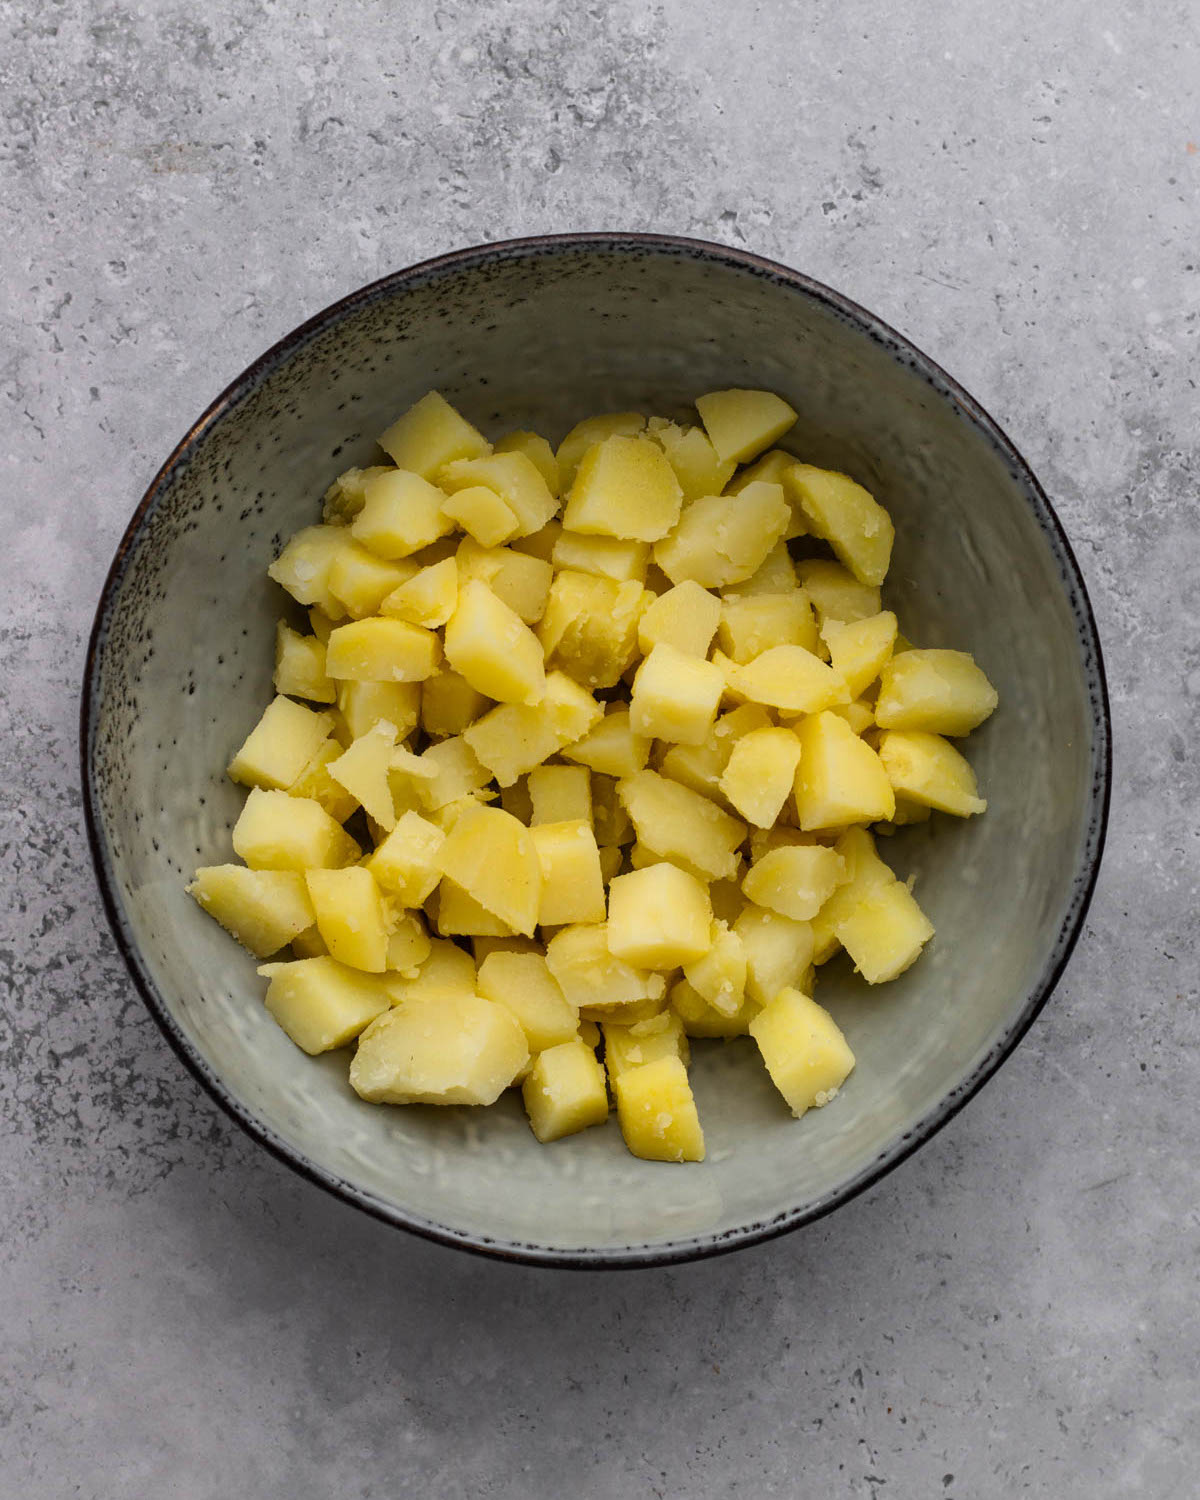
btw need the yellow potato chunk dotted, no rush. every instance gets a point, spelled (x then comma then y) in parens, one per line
(300, 666)
(277, 831)
(778, 950)
(280, 745)
(458, 914)
(788, 678)
(515, 478)
(702, 766)
(540, 544)
(482, 514)
(428, 598)
(675, 696)
(456, 773)
(538, 451)
(523, 983)
(350, 917)
(589, 628)
(867, 873)
(641, 1042)
(926, 769)
(611, 747)
(359, 580)
(262, 909)
(719, 976)
(700, 1019)
(724, 539)
(450, 1048)
(380, 650)
(942, 692)
(741, 423)
(572, 887)
(320, 1003)
(796, 881)
(512, 739)
(885, 932)
(401, 513)
(685, 617)
(594, 980)
(659, 917)
(494, 859)
(804, 1051)
(776, 574)
(302, 568)
(657, 1112)
(624, 487)
(606, 556)
(408, 944)
(308, 944)
(565, 1091)
(771, 467)
(694, 459)
(560, 794)
(489, 645)
(675, 822)
(449, 703)
(363, 771)
(760, 774)
(448, 970)
(362, 705)
(860, 715)
(586, 434)
(431, 434)
(346, 495)
(835, 592)
(405, 863)
(859, 649)
(840, 779)
(316, 784)
(845, 515)
(752, 623)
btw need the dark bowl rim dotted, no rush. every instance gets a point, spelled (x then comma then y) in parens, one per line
(1083, 884)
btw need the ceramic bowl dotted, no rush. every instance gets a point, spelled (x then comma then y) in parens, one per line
(538, 333)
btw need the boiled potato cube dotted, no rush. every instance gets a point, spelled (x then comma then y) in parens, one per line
(840, 779)
(320, 1003)
(321, 624)
(300, 666)
(700, 1019)
(481, 513)
(771, 467)
(280, 745)
(380, 650)
(448, 971)
(752, 623)
(363, 771)
(846, 516)
(611, 747)
(572, 888)
(360, 580)
(431, 434)
(760, 774)
(685, 617)
(723, 539)
(428, 598)
(362, 705)
(741, 423)
(302, 568)
(520, 580)
(565, 1091)
(694, 459)
(589, 629)
(405, 864)
(540, 544)
(941, 692)
(458, 914)
(347, 494)
(788, 678)
(908, 812)
(925, 768)
(624, 487)
(456, 773)
(866, 872)
(594, 979)
(587, 434)
(401, 513)
(778, 951)
(774, 575)
(523, 983)
(885, 932)
(515, 478)
(796, 881)
(702, 766)
(452, 1048)
(859, 649)
(657, 1112)
(646, 1041)
(409, 944)
(538, 451)
(512, 739)
(489, 645)
(277, 831)
(659, 917)
(262, 909)
(675, 696)
(449, 703)
(316, 784)
(719, 975)
(350, 916)
(674, 821)
(559, 794)
(606, 556)
(494, 859)
(860, 715)
(804, 1052)
(835, 592)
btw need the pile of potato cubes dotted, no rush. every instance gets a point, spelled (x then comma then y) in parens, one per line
(576, 760)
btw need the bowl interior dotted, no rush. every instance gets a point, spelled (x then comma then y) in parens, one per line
(540, 335)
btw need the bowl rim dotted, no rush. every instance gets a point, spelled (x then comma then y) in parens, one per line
(703, 1245)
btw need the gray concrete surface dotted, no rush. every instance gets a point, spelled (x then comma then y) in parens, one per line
(1015, 1310)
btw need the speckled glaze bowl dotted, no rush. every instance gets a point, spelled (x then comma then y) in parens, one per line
(538, 333)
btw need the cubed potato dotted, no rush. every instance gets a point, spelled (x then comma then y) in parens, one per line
(860, 715)
(276, 831)
(885, 932)
(449, 703)
(456, 773)
(453, 1048)
(907, 811)
(518, 579)
(700, 1019)
(512, 739)
(657, 1112)
(280, 745)
(941, 692)
(778, 951)
(770, 467)
(489, 645)
(685, 617)
(796, 881)
(494, 859)
(361, 581)
(702, 766)
(835, 592)
(845, 515)
(409, 944)
(431, 434)
(589, 629)
(643, 1042)
(515, 478)
(482, 514)
(538, 451)
(405, 864)
(840, 779)
(262, 909)
(694, 459)
(925, 768)
(448, 971)
(428, 598)
(659, 917)
(380, 650)
(540, 544)
(587, 434)
(401, 513)
(363, 771)
(624, 487)
(723, 539)
(788, 678)
(609, 818)
(611, 747)
(675, 696)
(867, 873)
(300, 666)
(302, 567)
(606, 556)
(719, 976)
(776, 574)
(362, 705)
(594, 980)
(456, 913)
(760, 774)
(559, 794)
(572, 886)
(673, 820)
(565, 1091)
(347, 494)
(523, 983)
(350, 916)
(859, 649)
(804, 1051)
(322, 1004)
(741, 423)
(320, 624)
(752, 623)
(316, 784)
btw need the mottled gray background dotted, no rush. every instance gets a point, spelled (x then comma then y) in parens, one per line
(1012, 1312)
